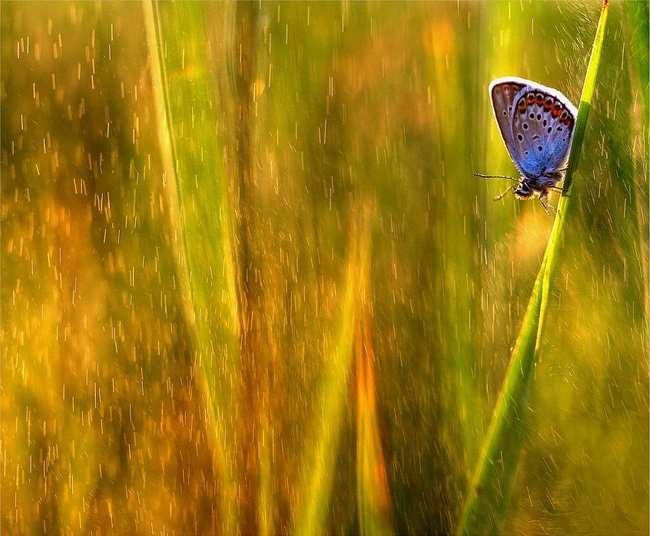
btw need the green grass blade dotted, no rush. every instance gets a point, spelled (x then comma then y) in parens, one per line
(373, 496)
(374, 508)
(488, 495)
(199, 212)
(637, 26)
(322, 441)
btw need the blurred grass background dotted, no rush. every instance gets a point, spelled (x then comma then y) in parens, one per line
(249, 282)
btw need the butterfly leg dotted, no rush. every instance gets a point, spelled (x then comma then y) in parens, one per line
(503, 194)
(548, 208)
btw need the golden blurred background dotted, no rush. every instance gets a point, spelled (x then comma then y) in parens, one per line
(250, 284)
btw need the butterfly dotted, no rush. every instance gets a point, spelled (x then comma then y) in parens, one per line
(537, 125)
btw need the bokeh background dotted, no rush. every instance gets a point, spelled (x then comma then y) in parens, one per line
(251, 285)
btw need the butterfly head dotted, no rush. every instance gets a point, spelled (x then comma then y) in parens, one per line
(523, 190)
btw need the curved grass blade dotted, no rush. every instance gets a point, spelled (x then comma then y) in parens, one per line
(198, 210)
(488, 495)
(374, 508)
(373, 496)
(322, 441)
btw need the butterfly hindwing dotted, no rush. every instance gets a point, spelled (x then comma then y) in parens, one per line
(542, 130)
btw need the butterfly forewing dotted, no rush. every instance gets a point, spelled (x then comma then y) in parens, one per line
(502, 93)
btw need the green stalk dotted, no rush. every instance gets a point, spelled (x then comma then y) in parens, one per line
(488, 496)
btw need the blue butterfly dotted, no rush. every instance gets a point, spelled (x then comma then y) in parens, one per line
(537, 125)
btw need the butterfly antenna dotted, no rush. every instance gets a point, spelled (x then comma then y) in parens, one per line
(503, 194)
(495, 176)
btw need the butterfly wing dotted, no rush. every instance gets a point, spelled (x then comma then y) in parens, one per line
(503, 92)
(542, 128)
(531, 116)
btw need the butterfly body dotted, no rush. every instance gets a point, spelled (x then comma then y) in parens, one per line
(537, 124)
